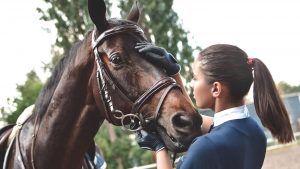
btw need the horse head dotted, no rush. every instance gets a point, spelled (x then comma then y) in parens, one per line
(135, 93)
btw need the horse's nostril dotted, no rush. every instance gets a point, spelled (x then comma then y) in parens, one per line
(180, 120)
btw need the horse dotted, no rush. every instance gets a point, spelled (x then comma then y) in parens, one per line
(102, 78)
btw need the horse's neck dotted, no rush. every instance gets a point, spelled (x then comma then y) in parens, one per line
(71, 120)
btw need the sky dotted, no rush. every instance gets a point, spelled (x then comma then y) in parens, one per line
(265, 29)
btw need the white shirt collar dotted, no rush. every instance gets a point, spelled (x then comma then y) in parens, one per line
(231, 114)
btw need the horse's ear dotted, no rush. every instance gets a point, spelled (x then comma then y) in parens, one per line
(134, 13)
(97, 11)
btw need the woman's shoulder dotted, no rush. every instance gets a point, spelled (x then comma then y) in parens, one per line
(238, 133)
(246, 124)
(203, 144)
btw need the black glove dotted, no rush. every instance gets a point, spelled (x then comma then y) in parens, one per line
(149, 141)
(159, 57)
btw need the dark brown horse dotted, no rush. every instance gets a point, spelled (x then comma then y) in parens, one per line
(102, 77)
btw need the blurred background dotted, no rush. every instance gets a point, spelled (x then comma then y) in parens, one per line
(35, 34)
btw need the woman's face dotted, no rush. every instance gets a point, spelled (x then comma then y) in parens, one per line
(201, 89)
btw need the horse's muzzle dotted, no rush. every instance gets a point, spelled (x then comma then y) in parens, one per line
(184, 129)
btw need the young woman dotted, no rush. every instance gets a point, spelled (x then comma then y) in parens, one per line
(223, 75)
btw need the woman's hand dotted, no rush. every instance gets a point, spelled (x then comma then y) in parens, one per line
(152, 141)
(149, 141)
(159, 57)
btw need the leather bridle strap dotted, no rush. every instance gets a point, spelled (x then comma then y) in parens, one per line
(115, 30)
(163, 83)
(167, 83)
(162, 99)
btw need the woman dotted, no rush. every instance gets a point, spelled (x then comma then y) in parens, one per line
(223, 75)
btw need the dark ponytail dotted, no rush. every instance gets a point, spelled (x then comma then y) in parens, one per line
(231, 65)
(268, 104)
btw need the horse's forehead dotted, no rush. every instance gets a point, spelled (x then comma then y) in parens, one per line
(125, 38)
(121, 43)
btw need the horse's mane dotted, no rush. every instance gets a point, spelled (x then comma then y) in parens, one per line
(48, 90)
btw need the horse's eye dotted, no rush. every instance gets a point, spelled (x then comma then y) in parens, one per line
(116, 60)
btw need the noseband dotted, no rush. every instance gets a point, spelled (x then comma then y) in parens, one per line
(134, 120)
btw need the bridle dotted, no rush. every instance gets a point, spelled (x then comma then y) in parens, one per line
(133, 121)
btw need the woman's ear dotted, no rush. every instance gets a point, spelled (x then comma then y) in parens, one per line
(216, 89)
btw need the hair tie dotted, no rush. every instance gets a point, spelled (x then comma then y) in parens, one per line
(250, 61)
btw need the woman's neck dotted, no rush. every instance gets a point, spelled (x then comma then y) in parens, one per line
(223, 104)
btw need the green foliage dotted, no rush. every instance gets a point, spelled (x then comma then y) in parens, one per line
(71, 20)
(123, 147)
(29, 91)
(286, 88)
(161, 25)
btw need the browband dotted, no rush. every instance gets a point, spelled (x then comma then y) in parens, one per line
(115, 30)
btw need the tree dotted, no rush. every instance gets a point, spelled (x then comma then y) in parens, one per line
(123, 147)
(71, 20)
(161, 25)
(29, 91)
(286, 88)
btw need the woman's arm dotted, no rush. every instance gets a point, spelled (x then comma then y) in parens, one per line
(151, 141)
(163, 160)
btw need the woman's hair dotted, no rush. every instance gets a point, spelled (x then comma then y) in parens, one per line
(230, 65)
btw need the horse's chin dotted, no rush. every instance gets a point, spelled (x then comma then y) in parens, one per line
(173, 144)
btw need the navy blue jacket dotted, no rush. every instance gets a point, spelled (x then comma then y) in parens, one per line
(235, 144)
